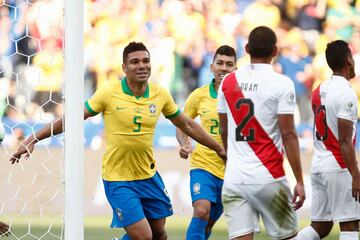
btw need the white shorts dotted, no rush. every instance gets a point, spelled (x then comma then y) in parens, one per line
(244, 203)
(332, 197)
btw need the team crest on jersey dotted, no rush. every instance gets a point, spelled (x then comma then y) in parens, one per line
(349, 107)
(196, 188)
(152, 108)
(119, 214)
(291, 97)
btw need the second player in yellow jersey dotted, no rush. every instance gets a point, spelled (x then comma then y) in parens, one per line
(207, 169)
(203, 103)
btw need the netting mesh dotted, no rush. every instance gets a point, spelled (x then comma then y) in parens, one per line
(31, 82)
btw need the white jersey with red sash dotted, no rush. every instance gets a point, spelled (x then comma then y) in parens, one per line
(253, 97)
(333, 99)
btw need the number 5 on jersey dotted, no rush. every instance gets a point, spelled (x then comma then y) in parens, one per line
(137, 122)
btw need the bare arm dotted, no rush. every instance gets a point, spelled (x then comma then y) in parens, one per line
(185, 144)
(4, 229)
(224, 129)
(196, 132)
(50, 129)
(345, 131)
(291, 144)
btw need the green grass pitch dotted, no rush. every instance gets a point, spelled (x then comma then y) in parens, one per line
(97, 228)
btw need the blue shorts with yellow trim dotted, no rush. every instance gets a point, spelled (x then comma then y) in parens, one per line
(133, 201)
(204, 185)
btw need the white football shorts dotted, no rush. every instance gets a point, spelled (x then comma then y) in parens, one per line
(245, 203)
(332, 197)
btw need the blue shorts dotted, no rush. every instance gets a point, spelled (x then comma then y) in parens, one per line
(133, 201)
(204, 185)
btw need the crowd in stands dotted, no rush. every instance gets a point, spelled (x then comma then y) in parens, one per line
(182, 37)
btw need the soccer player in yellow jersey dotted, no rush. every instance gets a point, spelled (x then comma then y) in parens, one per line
(207, 168)
(131, 108)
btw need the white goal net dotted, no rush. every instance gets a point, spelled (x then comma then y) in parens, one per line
(31, 87)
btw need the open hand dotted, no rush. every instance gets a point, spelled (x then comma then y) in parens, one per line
(4, 229)
(356, 188)
(299, 196)
(26, 149)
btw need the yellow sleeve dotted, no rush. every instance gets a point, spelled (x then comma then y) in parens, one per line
(192, 106)
(170, 109)
(97, 103)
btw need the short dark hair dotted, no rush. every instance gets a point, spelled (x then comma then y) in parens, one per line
(337, 53)
(133, 47)
(262, 42)
(225, 50)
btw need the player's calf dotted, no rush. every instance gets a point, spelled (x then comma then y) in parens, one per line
(316, 231)
(349, 230)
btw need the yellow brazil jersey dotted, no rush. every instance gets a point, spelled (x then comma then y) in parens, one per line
(129, 128)
(203, 102)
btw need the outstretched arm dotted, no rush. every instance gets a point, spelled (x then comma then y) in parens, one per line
(50, 129)
(345, 132)
(195, 131)
(291, 144)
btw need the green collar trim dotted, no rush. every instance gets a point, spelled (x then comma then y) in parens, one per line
(213, 92)
(128, 91)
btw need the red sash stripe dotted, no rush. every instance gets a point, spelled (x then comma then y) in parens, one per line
(331, 143)
(263, 146)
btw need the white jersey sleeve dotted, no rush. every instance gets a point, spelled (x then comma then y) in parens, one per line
(287, 99)
(348, 106)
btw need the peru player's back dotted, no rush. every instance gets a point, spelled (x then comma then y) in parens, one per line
(331, 100)
(253, 96)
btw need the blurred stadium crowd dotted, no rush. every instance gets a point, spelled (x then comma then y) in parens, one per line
(182, 37)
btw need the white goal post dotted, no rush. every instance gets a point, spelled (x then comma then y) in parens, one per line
(74, 130)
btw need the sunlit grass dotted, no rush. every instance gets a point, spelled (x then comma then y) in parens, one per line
(97, 228)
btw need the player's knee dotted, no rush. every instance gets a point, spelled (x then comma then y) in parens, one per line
(349, 226)
(144, 237)
(148, 237)
(324, 234)
(162, 235)
(141, 235)
(201, 212)
(323, 228)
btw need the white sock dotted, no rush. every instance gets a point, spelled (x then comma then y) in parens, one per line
(349, 235)
(308, 233)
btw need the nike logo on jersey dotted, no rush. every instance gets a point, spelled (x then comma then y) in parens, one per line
(205, 111)
(120, 108)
